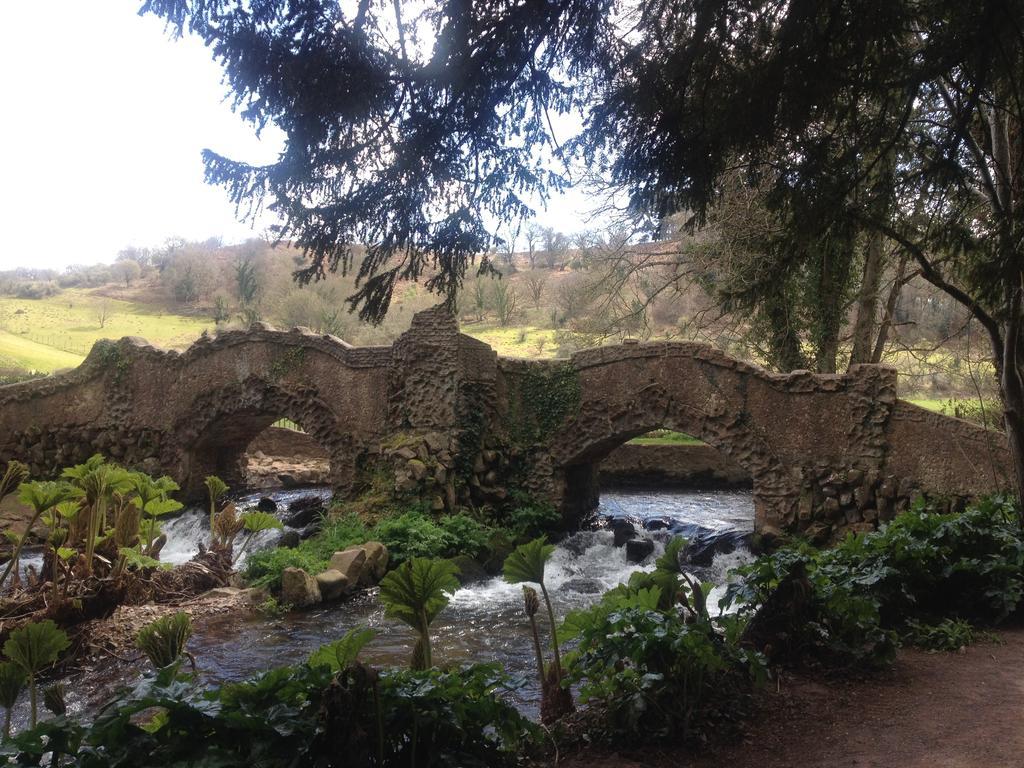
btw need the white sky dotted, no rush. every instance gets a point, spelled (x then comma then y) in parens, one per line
(102, 121)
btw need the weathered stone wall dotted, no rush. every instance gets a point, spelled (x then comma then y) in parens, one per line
(826, 453)
(690, 466)
(438, 415)
(193, 413)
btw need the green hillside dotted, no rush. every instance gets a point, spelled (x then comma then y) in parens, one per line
(58, 331)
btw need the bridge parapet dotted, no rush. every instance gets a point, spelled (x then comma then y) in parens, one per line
(825, 453)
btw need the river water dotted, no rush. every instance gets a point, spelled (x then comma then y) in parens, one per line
(483, 622)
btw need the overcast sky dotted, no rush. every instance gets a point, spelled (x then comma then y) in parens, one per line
(102, 123)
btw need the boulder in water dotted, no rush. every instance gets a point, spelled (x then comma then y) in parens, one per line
(622, 531)
(496, 562)
(303, 511)
(638, 550)
(657, 524)
(333, 584)
(582, 586)
(289, 539)
(299, 589)
(349, 562)
(702, 550)
(470, 571)
(376, 563)
(266, 504)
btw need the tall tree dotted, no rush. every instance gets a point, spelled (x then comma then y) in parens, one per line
(423, 149)
(417, 150)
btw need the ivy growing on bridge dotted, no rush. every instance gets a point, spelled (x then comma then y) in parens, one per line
(287, 362)
(112, 358)
(546, 397)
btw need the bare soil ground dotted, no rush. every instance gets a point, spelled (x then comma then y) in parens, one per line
(932, 710)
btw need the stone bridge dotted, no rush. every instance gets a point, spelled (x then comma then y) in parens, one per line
(440, 415)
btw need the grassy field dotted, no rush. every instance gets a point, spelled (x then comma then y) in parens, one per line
(665, 437)
(58, 331)
(514, 341)
(20, 352)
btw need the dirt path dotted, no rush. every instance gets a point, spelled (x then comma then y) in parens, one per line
(931, 711)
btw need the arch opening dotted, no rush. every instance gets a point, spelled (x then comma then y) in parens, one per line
(670, 459)
(284, 455)
(656, 453)
(221, 427)
(261, 451)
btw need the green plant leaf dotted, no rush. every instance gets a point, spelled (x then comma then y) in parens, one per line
(215, 487)
(158, 507)
(163, 641)
(35, 646)
(341, 653)
(419, 586)
(254, 522)
(43, 495)
(69, 509)
(526, 563)
(135, 559)
(12, 681)
(669, 561)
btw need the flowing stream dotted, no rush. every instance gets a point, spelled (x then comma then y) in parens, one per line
(483, 622)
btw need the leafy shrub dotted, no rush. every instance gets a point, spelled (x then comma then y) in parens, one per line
(303, 715)
(987, 413)
(947, 635)
(407, 532)
(530, 518)
(410, 535)
(466, 536)
(923, 567)
(336, 535)
(12, 375)
(654, 674)
(452, 717)
(264, 569)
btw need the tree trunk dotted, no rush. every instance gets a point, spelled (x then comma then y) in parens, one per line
(1011, 388)
(890, 310)
(867, 300)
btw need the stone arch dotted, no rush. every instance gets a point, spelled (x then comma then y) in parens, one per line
(604, 424)
(221, 423)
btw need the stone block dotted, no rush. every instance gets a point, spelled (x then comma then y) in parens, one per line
(832, 508)
(350, 563)
(864, 496)
(638, 550)
(299, 589)
(376, 564)
(333, 584)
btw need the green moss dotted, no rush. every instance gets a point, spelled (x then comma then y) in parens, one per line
(546, 397)
(113, 359)
(287, 363)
